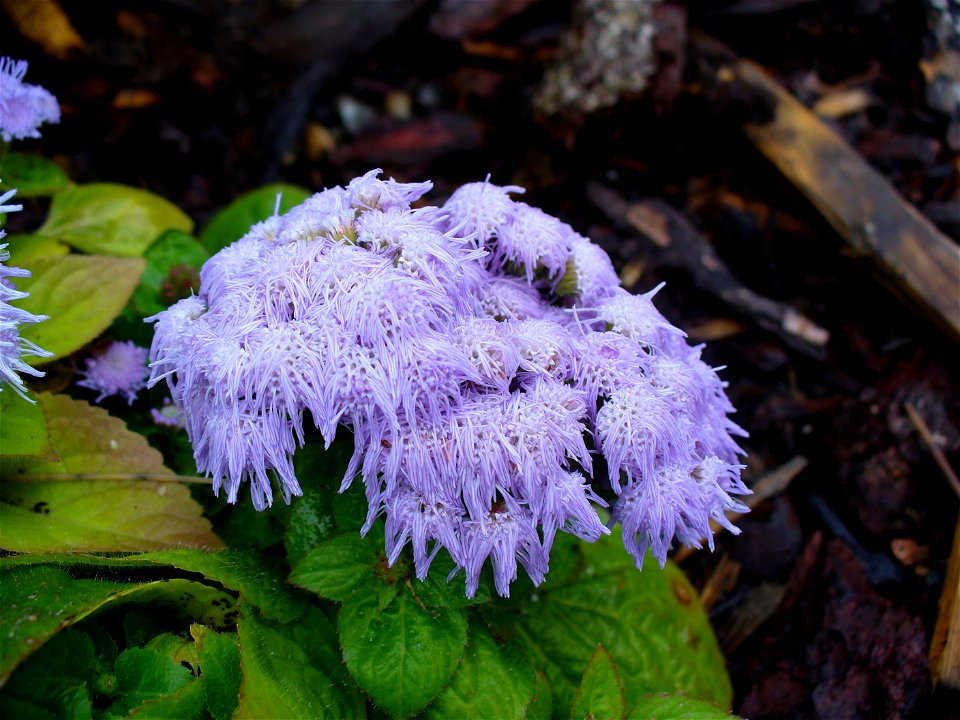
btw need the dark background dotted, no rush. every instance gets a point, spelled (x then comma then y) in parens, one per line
(829, 607)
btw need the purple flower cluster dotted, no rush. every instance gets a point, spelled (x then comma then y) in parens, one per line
(121, 369)
(12, 346)
(23, 107)
(482, 354)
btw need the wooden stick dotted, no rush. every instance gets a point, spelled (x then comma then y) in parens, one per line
(937, 453)
(945, 643)
(911, 254)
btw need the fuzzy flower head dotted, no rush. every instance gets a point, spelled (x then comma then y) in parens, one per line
(23, 107)
(13, 348)
(481, 355)
(121, 369)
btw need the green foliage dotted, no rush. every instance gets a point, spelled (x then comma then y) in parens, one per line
(172, 271)
(402, 654)
(103, 504)
(600, 695)
(234, 221)
(80, 294)
(109, 219)
(675, 707)
(650, 622)
(23, 429)
(491, 682)
(31, 175)
(294, 671)
(224, 612)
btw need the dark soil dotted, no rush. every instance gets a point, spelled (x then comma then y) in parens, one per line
(832, 610)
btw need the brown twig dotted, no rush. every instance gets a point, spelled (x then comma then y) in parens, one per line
(938, 456)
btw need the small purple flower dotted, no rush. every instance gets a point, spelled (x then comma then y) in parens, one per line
(13, 347)
(480, 211)
(23, 107)
(121, 369)
(371, 193)
(531, 242)
(591, 274)
(168, 415)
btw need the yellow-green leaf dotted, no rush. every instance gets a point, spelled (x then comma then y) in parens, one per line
(109, 219)
(104, 503)
(81, 294)
(23, 428)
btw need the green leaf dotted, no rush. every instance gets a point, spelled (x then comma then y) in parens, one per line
(13, 708)
(108, 219)
(31, 175)
(650, 622)
(676, 707)
(253, 576)
(220, 670)
(294, 671)
(311, 522)
(144, 675)
(50, 679)
(401, 655)
(491, 682)
(35, 602)
(234, 221)
(436, 591)
(81, 294)
(23, 428)
(173, 265)
(347, 564)
(186, 704)
(600, 695)
(117, 511)
(25, 249)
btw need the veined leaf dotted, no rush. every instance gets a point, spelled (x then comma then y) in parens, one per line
(81, 294)
(109, 219)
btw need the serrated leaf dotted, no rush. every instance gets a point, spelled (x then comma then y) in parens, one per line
(35, 602)
(600, 695)
(31, 175)
(650, 622)
(311, 522)
(109, 219)
(174, 249)
(188, 703)
(23, 428)
(437, 591)
(257, 581)
(144, 675)
(249, 574)
(120, 512)
(676, 707)
(491, 682)
(38, 601)
(49, 678)
(347, 564)
(294, 671)
(81, 294)
(235, 220)
(401, 655)
(220, 670)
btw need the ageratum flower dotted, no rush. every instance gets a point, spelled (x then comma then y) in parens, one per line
(480, 354)
(121, 369)
(23, 107)
(13, 347)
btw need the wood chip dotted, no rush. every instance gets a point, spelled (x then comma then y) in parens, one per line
(945, 644)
